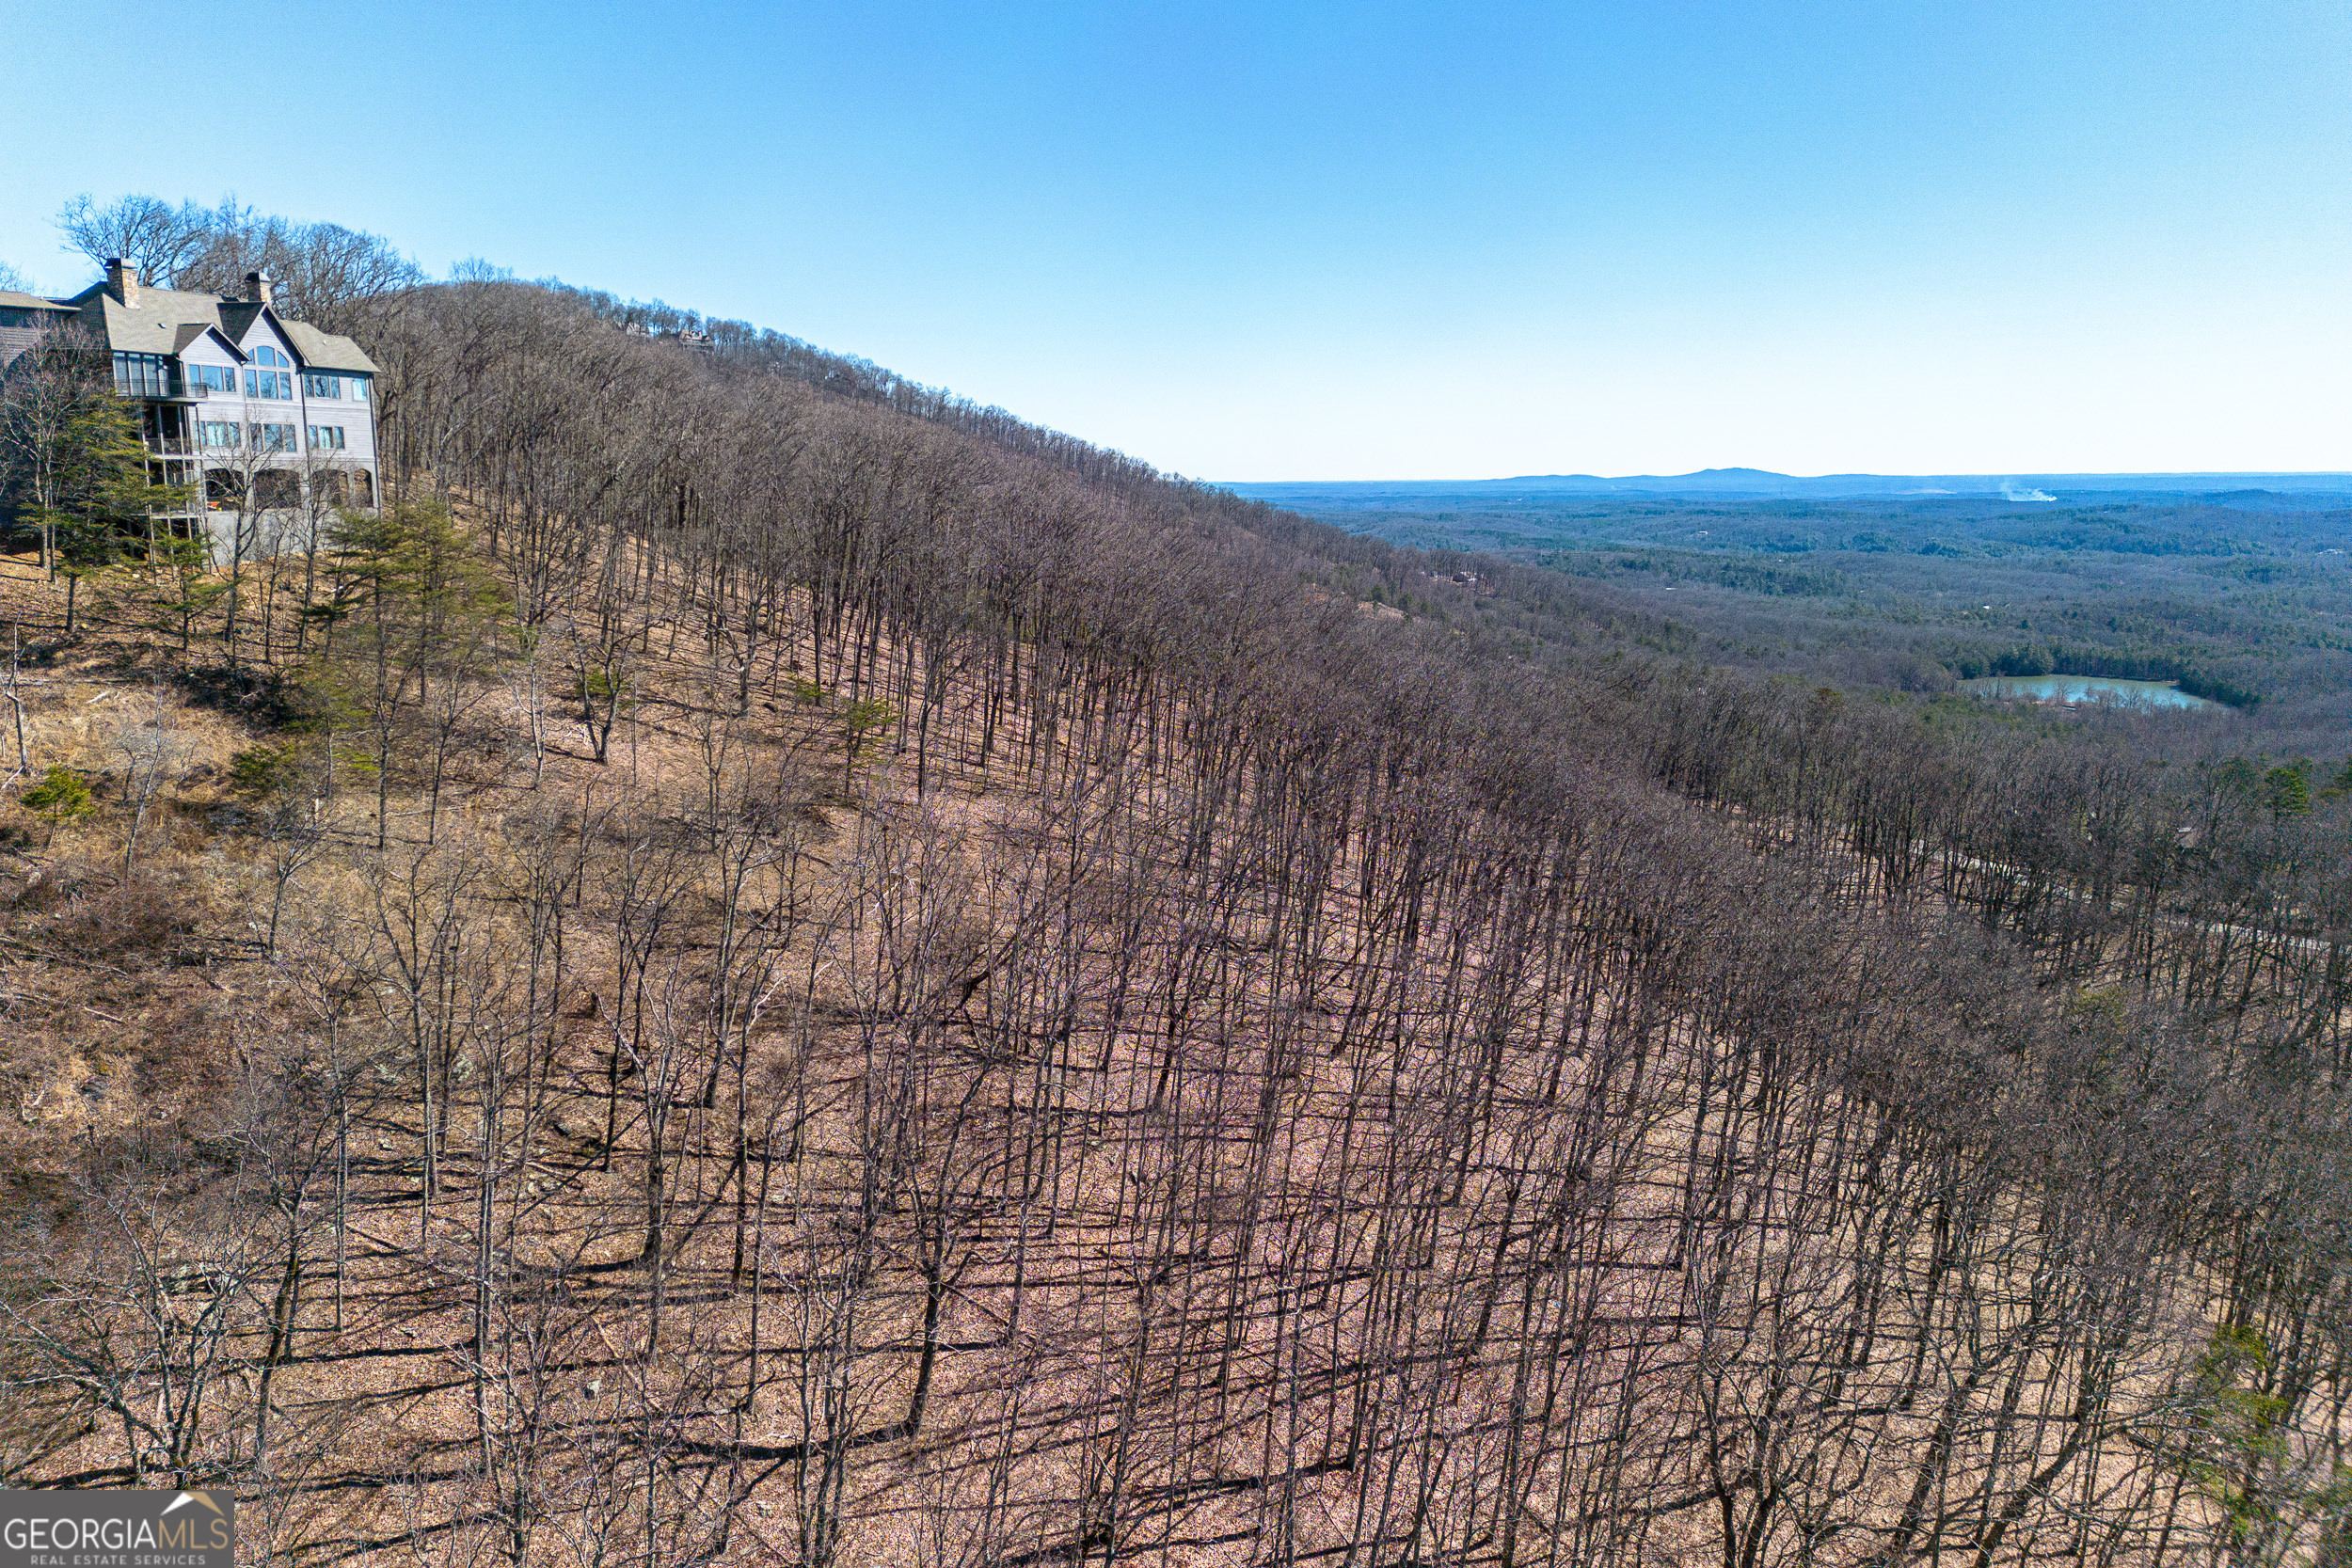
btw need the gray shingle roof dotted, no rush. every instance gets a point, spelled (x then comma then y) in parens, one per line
(153, 325)
(236, 317)
(160, 324)
(326, 351)
(12, 300)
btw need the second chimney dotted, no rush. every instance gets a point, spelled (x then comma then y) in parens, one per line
(122, 279)
(257, 287)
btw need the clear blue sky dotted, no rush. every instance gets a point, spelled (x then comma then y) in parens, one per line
(1267, 241)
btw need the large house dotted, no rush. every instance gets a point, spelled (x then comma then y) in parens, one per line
(269, 421)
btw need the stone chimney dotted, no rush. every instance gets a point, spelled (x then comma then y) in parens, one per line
(122, 279)
(257, 287)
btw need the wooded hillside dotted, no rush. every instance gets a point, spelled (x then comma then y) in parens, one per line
(758, 973)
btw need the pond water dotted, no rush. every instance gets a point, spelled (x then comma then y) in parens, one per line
(2084, 689)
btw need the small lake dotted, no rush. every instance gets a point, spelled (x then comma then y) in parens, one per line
(2083, 688)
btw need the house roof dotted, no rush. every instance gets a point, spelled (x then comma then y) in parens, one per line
(12, 300)
(237, 317)
(150, 327)
(165, 320)
(326, 351)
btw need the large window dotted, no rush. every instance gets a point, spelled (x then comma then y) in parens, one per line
(314, 386)
(268, 356)
(212, 378)
(145, 375)
(270, 438)
(219, 432)
(326, 437)
(269, 384)
(357, 386)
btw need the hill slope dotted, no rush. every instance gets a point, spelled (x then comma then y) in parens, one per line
(796, 982)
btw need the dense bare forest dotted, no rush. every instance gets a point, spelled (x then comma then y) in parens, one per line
(773, 967)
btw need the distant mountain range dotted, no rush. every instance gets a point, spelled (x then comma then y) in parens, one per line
(1750, 483)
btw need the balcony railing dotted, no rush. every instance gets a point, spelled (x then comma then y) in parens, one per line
(155, 387)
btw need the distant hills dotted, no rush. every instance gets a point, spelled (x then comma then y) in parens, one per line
(1760, 483)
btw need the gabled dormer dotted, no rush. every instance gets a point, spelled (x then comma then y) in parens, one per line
(270, 362)
(211, 365)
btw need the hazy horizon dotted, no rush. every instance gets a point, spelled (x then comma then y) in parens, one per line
(1722, 476)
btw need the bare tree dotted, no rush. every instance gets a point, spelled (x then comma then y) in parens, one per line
(335, 279)
(153, 755)
(158, 238)
(45, 392)
(148, 1321)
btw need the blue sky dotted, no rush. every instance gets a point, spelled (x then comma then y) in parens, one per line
(1267, 241)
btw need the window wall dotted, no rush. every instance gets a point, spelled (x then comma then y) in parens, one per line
(146, 375)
